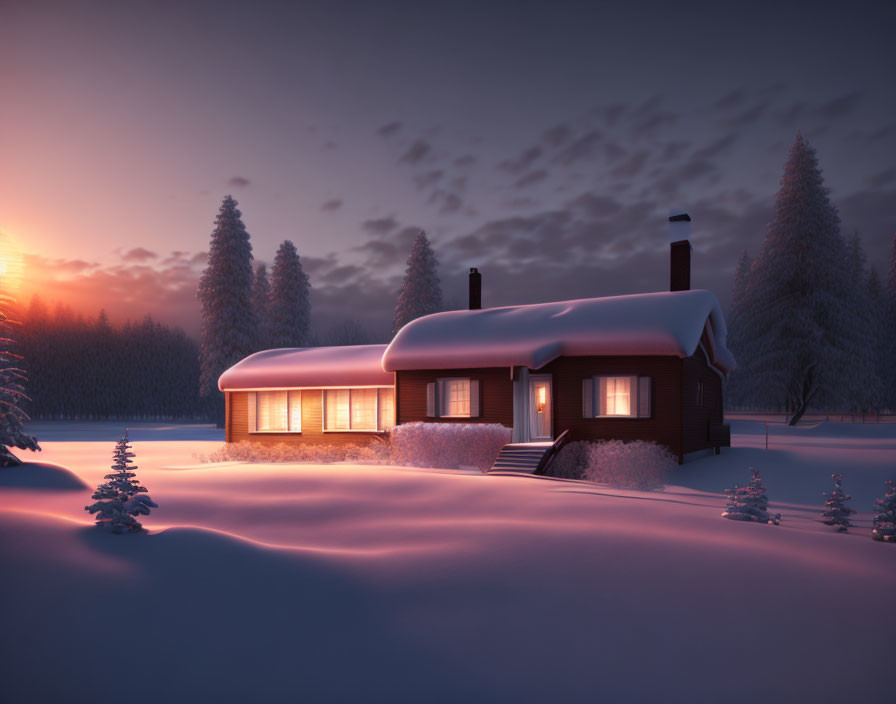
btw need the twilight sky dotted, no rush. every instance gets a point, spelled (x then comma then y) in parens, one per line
(542, 142)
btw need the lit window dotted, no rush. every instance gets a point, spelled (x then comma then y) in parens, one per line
(369, 410)
(455, 398)
(616, 397)
(278, 411)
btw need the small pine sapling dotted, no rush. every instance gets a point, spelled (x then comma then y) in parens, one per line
(119, 499)
(838, 512)
(749, 503)
(884, 525)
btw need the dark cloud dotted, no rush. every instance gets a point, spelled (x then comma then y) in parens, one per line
(749, 116)
(531, 178)
(720, 146)
(389, 129)
(673, 150)
(556, 136)
(459, 183)
(430, 178)
(648, 124)
(331, 205)
(414, 154)
(380, 226)
(330, 145)
(447, 201)
(138, 254)
(522, 162)
(631, 166)
(581, 148)
(789, 115)
(838, 107)
(730, 101)
(520, 203)
(612, 113)
(613, 152)
(465, 160)
(883, 178)
(595, 206)
(387, 251)
(238, 181)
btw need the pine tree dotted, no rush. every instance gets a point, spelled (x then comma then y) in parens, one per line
(800, 337)
(749, 503)
(889, 332)
(884, 524)
(739, 385)
(229, 328)
(862, 384)
(421, 291)
(290, 299)
(12, 394)
(119, 499)
(261, 304)
(838, 512)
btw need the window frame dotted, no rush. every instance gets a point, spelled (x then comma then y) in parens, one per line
(634, 398)
(442, 397)
(254, 397)
(377, 429)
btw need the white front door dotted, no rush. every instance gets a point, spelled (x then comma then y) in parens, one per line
(540, 408)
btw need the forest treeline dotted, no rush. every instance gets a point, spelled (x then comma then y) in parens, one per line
(88, 368)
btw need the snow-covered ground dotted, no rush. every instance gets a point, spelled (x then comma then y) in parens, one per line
(284, 583)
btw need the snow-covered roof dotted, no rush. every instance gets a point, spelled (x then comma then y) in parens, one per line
(309, 367)
(667, 323)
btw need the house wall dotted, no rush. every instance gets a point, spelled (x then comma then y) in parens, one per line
(665, 423)
(237, 421)
(495, 395)
(697, 418)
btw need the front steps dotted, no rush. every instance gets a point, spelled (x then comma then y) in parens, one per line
(522, 457)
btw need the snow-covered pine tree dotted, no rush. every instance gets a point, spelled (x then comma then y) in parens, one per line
(884, 524)
(739, 385)
(261, 304)
(863, 386)
(421, 290)
(229, 329)
(798, 305)
(290, 299)
(838, 512)
(122, 497)
(12, 393)
(749, 503)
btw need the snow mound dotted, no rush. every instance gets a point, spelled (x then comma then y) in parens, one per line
(667, 323)
(309, 367)
(40, 475)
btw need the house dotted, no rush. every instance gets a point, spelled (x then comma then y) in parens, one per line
(638, 367)
(316, 394)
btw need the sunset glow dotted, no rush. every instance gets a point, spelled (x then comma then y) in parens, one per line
(11, 263)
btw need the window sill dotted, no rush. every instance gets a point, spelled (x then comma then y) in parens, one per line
(447, 416)
(275, 432)
(354, 430)
(617, 418)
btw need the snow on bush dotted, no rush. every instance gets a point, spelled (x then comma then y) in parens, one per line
(443, 445)
(627, 465)
(838, 513)
(317, 453)
(448, 445)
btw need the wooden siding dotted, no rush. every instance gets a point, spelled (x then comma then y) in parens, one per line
(665, 422)
(312, 423)
(697, 418)
(495, 395)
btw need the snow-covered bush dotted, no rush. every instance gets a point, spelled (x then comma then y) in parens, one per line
(119, 499)
(307, 453)
(448, 445)
(628, 465)
(884, 525)
(570, 462)
(838, 512)
(749, 503)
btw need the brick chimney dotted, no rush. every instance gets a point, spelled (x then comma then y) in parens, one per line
(680, 251)
(475, 289)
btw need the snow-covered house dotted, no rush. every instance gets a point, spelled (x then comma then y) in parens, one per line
(316, 394)
(638, 367)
